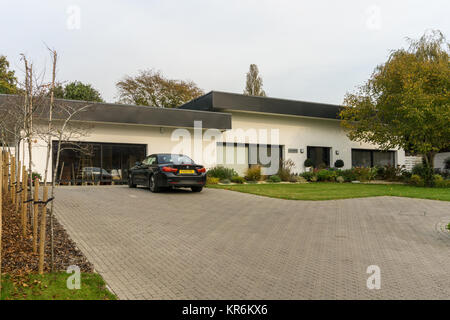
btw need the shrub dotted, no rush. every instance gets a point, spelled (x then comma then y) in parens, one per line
(425, 172)
(349, 175)
(392, 173)
(284, 171)
(444, 173)
(300, 179)
(308, 163)
(35, 175)
(340, 179)
(362, 173)
(308, 175)
(442, 184)
(225, 181)
(326, 175)
(314, 178)
(253, 174)
(437, 178)
(275, 178)
(322, 166)
(221, 172)
(212, 180)
(417, 180)
(339, 163)
(237, 179)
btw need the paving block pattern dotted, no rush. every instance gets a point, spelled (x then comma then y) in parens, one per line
(221, 244)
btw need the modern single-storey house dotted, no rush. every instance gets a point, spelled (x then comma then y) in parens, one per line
(230, 129)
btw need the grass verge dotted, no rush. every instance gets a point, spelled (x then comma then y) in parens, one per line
(332, 191)
(53, 286)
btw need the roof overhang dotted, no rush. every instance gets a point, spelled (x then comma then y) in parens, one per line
(220, 101)
(125, 114)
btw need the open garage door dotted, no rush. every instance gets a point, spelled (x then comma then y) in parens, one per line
(96, 163)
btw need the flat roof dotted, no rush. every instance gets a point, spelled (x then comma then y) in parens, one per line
(221, 101)
(128, 114)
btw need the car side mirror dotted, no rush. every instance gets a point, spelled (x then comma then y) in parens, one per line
(137, 163)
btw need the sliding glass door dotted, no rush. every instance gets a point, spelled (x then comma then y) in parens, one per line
(96, 163)
(372, 158)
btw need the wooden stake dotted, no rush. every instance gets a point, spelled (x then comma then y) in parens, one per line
(18, 187)
(8, 185)
(43, 227)
(1, 221)
(35, 214)
(24, 205)
(13, 180)
(5, 174)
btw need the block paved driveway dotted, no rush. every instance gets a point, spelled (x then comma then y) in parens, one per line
(221, 244)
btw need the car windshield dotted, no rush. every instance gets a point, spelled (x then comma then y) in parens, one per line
(174, 158)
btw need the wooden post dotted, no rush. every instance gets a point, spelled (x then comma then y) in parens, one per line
(19, 186)
(1, 221)
(43, 231)
(35, 214)
(8, 185)
(13, 180)
(5, 173)
(24, 205)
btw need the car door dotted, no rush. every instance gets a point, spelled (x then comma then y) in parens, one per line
(138, 172)
(150, 167)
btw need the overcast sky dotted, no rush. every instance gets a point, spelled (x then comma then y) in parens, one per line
(305, 50)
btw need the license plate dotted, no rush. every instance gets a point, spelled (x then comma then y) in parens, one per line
(187, 171)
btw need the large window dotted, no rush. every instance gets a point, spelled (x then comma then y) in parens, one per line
(98, 163)
(240, 156)
(372, 158)
(320, 156)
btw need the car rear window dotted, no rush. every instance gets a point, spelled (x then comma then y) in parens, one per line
(175, 159)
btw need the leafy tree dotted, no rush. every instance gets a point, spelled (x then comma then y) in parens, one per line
(8, 81)
(151, 88)
(253, 86)
(77, 90)
(406, 102)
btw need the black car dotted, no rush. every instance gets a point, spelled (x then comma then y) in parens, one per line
(165, 170)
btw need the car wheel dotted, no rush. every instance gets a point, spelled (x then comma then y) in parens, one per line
(130, 182)
(196, 189)
(152, 184)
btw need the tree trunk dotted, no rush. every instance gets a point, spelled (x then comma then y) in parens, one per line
(429, 159)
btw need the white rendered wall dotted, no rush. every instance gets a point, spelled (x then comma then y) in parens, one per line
(294, 132)
(298, 132)
(158, 140)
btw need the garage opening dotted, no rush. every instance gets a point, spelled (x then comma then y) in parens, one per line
(96, 163)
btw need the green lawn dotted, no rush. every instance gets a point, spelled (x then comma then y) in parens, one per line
(53, 287)
(331, 191)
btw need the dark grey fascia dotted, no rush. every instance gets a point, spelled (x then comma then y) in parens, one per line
(129, 114)
(220, 101)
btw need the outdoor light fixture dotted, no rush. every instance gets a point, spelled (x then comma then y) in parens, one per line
(302, 151)
(337, 152)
